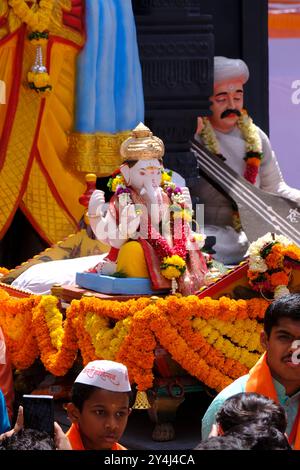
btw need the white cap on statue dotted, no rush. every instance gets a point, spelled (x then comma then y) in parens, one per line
(229, 69)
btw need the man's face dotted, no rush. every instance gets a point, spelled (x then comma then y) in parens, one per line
(279, 353)
(227, 103)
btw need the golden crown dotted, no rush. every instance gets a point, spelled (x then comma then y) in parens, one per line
(142, 145)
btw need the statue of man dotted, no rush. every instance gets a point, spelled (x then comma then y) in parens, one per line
(230, 133)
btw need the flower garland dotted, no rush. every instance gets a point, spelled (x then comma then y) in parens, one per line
(253, 156)
(38, 19)
(195, 340)
(194, 331)
(137, 351)
(236, 331)
(3, 271)
(270, 264)
(173, 258)
(114, 310)
(215, 337)
(187, 358)
(16, 323)
(56, 341)
(116, 183)
(106, 340)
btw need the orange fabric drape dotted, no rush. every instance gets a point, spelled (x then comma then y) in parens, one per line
(74, 437)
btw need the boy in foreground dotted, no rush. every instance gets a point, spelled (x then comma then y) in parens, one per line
(99, 407)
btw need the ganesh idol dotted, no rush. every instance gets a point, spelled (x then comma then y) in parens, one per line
(147, 221)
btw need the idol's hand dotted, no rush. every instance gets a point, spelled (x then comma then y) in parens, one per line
(130, 221)
(96, 202)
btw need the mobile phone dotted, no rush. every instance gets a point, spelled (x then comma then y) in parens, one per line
(38, 411)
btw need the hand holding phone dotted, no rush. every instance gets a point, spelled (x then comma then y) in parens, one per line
(38, 413)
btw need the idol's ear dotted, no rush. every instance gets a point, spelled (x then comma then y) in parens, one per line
(125, 170)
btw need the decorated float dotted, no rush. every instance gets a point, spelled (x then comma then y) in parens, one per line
(189, 330)
(170, 344)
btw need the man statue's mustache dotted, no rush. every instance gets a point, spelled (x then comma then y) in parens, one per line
(227, 113)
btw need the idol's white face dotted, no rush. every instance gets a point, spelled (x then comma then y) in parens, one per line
(144, 174)
(227, 104)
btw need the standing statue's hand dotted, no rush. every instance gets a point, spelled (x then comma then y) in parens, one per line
(96, 202)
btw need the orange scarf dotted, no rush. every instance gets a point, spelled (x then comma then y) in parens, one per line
(74, 437)
(260, 381)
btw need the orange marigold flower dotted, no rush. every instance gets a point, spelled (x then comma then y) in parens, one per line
(275, 257)
(253, 161)
(279, 279)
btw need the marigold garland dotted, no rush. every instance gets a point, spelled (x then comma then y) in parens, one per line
(229, 349)
(4, 271)
(106, 340)
(36, 17)
(204, 336)
(16, 323)
(56, 341)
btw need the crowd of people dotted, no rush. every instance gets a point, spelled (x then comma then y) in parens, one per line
(258, 411)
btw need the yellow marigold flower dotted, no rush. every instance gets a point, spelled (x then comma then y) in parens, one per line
(39, 41)
(30, 77)
(41, 80)
(175, 260)
(165, 177)
(116, 182)
(170, 272)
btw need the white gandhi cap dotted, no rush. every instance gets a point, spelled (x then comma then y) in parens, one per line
(228, 69)
(108, 375)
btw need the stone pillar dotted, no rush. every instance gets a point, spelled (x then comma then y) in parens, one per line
(176, 47)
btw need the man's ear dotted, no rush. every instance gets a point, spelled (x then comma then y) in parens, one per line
(264, 339)
(73, 413)
(125, 170)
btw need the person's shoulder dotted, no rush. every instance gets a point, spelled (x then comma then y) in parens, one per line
(237, 386)
(264, 138)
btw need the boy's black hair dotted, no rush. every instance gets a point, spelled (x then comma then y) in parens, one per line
(222, 443)
(28, 439)
(287, 306)
(251, 436)
(244, 408)
(260, 436)
(82, 392)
